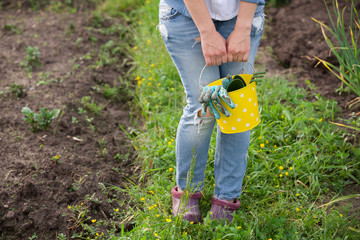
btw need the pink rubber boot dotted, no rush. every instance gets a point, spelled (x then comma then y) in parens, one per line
(191, 211)
(222, 209)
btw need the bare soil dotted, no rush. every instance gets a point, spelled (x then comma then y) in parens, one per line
(36, 189)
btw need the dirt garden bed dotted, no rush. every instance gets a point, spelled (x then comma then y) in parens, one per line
(45, 174)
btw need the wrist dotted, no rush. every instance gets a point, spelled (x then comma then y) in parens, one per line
(242, 26)
(205, 30)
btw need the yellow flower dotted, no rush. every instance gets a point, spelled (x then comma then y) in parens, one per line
(169, 142)
(297, 209)
(280, 175)
(211, 213)
(277, 186)
(140, 22)
(152, 65)
(297, 194)
(142, 199)
(69, 207)
(214, 185)
(168, 220)
(155, 93)
(314, 216)
(291, 168)
(172, 140)
(281, 167)
(191, 222)
(139, 83)
(148, 42)
(151, 192)
(149, 84)
(170, 169)
(157, 215)
(172, 89)
(275, 146)
(311, 119)
(320, 120)
(135, 48)
(93, 220)
(116, 210)
(341, 215)
(239, 227)
(137, 78)
(148, 1)
(260, 137)
(149, 71)
(143, 79)
(286, 173)
(267, 141)
(159, 84)
(185, 233)
(150, 78)
(97, 234)
(155, 234)
(155, 205)
(262, 145)
(282, 116)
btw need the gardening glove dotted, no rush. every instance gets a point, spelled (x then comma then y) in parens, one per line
(210, 98)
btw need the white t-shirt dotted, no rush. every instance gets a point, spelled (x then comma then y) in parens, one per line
(223, 10)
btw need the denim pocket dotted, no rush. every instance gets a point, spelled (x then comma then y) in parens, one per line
(166, 12)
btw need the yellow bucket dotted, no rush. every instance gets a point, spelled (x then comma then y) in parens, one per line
(245, 115)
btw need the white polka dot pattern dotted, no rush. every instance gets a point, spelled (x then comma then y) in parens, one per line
(245, 115)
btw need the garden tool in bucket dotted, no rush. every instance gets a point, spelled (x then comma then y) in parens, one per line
(236, 109)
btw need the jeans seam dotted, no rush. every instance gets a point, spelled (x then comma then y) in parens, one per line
(220, 158)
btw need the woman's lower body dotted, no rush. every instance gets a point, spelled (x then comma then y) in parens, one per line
(182, 40)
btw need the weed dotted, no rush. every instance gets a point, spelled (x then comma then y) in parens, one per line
(17, 90)
(90, 105)
(11, 28)
(61, 236)
(56, 159)
(41, 120)
(31, 59)
(109, 92)
(74, 120)
(34, 236)
(97, 20)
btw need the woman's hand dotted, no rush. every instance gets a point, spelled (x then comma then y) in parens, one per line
(214, 48)
(238, 45)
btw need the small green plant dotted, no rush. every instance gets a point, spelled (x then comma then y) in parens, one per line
(62, 236)
(31, 59)
(91, 106)
(41, 120)
(11, 28)
(56, 159)
(109, 92)
(17, 90)
(34, 236)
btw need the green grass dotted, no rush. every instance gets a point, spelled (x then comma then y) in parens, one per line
(297, 160)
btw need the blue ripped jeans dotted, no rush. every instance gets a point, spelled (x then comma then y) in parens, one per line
(181, 38)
